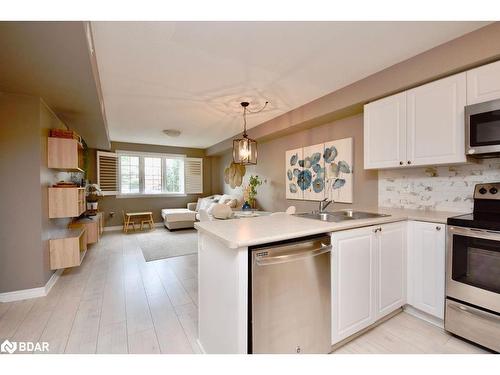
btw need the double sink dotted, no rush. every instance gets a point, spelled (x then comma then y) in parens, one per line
(339, 216)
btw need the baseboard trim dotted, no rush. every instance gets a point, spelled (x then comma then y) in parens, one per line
(42, 291)
(424, 316)
(120, 227)
(113, 228)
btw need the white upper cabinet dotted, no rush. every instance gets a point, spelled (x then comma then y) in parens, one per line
(385, 132)
(426, 267)
(435, 122)
(483, 83)
(422, 126)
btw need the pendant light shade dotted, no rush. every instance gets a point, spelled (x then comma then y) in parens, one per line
(245, 148)
(245, 151)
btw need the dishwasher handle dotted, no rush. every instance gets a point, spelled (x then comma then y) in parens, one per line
(292, 256)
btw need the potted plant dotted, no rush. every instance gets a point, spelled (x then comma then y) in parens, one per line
(93, 193)
(253, 183)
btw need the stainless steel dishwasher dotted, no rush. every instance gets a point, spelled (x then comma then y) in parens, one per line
(290, 297)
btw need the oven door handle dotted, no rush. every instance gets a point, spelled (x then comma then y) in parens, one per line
(471, 311)
(473, 232)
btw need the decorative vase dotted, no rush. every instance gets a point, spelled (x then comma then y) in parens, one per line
(253, 203)
(246, 206)
(92, 206)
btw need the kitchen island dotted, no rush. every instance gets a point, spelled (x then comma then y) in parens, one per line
(223, 262)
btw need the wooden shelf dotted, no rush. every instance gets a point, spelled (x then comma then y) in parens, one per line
(66, 202)
(65, 154)
(68, 248)
(92, 224)
(69, 169)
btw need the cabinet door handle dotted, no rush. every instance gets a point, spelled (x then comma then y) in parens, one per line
(409, 161)
(438, 228)
(400, 163)
(379, 229)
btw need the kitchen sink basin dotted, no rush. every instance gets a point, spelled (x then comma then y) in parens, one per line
(339, 216)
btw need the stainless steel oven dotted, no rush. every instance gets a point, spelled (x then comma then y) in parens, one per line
(482, 129)
(473, 267)
(473, 285)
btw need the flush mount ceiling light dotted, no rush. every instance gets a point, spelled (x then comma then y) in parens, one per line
(245, 149)
(172, 132)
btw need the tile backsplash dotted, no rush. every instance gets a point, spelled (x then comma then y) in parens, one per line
(443, 188)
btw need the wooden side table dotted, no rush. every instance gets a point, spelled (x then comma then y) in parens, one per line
(148, 219)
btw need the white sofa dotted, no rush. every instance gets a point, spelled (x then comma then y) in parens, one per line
(182, 218)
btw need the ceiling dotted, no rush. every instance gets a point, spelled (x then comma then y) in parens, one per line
(52, 60)
(191, 76)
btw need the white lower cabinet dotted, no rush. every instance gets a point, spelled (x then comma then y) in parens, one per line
(391, 268)
(426, 267)
(368, 276)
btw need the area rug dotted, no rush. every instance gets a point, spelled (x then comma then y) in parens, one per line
(162, 244)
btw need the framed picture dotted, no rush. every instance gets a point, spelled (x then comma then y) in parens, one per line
(338, 159)
(292, 173)
(321, 171)
(312, 179)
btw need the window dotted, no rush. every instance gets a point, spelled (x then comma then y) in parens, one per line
(152, 175)
(129, 174)
(149, 174)
(174, 173)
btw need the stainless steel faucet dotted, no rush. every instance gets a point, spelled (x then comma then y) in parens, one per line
(324, 204)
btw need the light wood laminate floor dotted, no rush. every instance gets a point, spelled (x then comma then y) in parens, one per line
(115, 302)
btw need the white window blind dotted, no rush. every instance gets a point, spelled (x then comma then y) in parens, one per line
(107, 172)
(193, 175)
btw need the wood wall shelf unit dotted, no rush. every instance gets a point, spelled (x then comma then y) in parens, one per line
(68, 248)
(66, 202)
(93, 226)
(65, 154)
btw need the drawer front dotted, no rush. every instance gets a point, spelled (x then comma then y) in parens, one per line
(473, 324)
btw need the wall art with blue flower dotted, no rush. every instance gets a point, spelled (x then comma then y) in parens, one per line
(321, 171)
(293, 171)
(338, 158)
(312, 180)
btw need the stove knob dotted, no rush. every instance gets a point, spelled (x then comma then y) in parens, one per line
(493, 190)
(483, 190)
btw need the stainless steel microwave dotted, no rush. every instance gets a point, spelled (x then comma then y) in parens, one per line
(482, 129)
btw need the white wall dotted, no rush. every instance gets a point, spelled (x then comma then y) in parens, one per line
(445, 188)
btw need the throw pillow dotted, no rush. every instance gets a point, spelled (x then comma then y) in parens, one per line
(231, 203)
(205, 203)
(198, 204)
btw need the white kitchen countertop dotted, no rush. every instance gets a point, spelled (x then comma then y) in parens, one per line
(265, 229)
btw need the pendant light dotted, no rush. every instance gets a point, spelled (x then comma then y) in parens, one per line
(245, 148)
